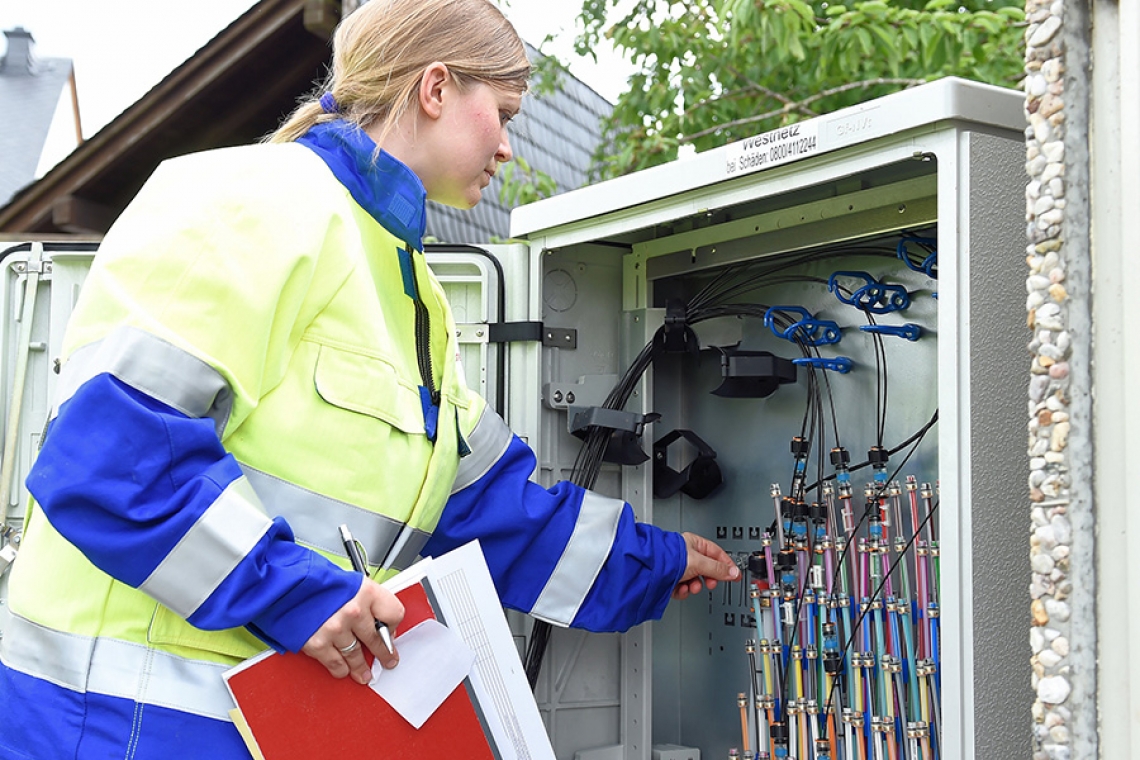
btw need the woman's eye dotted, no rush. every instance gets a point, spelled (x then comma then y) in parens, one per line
(505, 117)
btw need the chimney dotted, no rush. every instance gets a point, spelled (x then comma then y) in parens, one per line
(19, 59)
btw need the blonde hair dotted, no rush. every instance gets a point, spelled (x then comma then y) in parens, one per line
(380, 52)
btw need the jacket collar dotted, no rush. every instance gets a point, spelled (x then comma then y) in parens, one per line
(387, 189)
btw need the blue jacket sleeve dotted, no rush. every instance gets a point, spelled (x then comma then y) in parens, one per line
(529, 536)
(125, 478)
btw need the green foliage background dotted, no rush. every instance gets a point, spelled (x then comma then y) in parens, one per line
(708, 72)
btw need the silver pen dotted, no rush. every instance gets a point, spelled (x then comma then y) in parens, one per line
(357, 561)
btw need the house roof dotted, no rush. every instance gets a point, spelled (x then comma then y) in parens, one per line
(236, 89)
(209, 101)
(30, 88)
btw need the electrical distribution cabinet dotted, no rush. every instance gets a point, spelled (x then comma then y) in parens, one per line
(704, 340)
(767, 249)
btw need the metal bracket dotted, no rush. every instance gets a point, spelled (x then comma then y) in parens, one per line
(518, 332)
(514, 332)
(39, 266)
(559, 337)
(472, 333)
(7, 557)
(590, 390)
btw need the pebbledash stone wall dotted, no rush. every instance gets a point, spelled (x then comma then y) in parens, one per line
(1051, 382)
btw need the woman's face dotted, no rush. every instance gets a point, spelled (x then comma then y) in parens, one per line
(470, 143)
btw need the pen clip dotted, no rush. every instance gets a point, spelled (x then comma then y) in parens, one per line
(363, 554)
(355, 551)
(358, 558)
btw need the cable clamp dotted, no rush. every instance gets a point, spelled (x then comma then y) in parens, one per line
(840, 364)
(697, 480)
(625, 428)
(806, 330)
(752, 374)
(873, 296)
(910, 330)
(929, 265)
(676, 336)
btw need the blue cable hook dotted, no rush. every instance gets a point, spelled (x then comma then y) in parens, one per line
(840, 364)
(875, 297)
(928, 264)
(910, 330)
(807, 330)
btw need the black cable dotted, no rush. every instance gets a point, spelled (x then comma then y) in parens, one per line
(851, 541)
(813, 401)
(539, 638)
(890, 569)
(917, 440)
(890, 452)
(814, 420)
(706, 304)
(588, 461)
(587, 467)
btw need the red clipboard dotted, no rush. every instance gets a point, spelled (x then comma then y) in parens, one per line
(295, 710)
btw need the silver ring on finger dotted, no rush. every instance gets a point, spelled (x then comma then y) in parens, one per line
(350, 648)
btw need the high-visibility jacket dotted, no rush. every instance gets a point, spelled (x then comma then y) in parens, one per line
(258, 355)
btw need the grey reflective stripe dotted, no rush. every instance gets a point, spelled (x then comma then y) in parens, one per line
(153, 366)
(210, 550)
(115, 668)
(315, 517)
(488, 442)
(407, 547)
(581, 560)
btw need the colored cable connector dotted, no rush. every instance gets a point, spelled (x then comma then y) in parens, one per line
(873, 296)
(929, 264)
(840, 364)
(909, 331)
(807, 330)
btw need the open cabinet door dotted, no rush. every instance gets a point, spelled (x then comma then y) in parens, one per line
(481, 284)
(41, 282)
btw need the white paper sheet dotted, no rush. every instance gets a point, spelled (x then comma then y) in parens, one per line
(468, 605)
(433, 661)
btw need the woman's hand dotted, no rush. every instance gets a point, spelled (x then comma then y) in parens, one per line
(708, 563)
(338, 643)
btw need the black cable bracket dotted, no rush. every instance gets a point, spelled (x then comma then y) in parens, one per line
(625, 429)
(532, 332)
(676, 336)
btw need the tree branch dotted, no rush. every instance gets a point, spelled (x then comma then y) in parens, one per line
(790, 106)
(743, 92)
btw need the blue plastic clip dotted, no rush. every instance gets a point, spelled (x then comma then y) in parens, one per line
(874, 296)
(910, 330)
(928, 264)
(840, 364)
(807, 330)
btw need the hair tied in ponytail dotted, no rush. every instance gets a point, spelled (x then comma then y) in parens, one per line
(328, 103)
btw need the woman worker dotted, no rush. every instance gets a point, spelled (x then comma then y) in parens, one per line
(259, 355)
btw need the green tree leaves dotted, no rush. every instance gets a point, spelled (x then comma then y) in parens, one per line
(523, 184)
(710, 71)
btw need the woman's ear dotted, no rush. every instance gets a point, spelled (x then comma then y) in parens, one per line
(436, 79)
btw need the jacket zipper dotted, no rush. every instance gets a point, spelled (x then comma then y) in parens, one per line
(423, 330)
(423, 348)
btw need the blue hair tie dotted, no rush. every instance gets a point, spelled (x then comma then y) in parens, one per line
(328, 103)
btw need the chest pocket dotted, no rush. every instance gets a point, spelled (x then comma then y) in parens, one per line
(368, 385)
